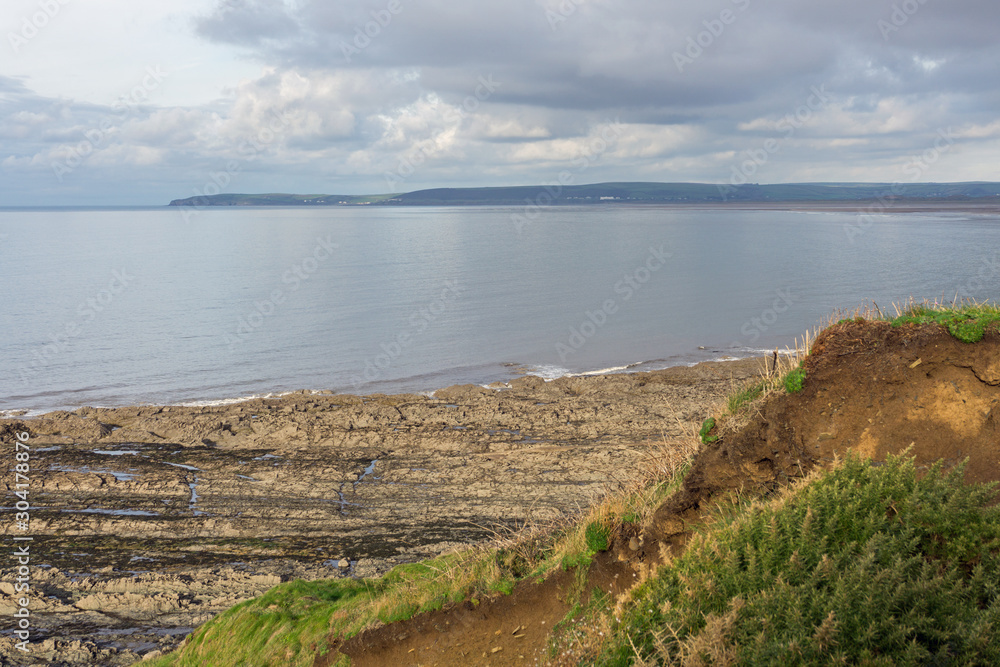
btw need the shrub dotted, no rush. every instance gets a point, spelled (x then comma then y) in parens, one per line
(794, 380)
(706, 428)
(864, 565)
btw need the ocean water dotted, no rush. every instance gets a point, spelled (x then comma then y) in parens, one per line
(120, 307)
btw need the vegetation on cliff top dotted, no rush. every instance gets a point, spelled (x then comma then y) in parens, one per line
(861, 565)
(968, 322)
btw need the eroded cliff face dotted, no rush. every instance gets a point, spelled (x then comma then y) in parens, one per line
(872, 389)
(149, 520)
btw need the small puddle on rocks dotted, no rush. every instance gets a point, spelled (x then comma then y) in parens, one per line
(344, 503)
(194, 488)
(192, 504)
(369, 471)
(139, 639)
(185, 466)
(112, 512)
(120, 476)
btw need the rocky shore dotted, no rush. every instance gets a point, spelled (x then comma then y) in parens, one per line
(149, 520)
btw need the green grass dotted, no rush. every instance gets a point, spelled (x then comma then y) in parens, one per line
(597, 536)
(865, 564)
(968, 322)
(290, 623)
(787, 376)
(744, 396)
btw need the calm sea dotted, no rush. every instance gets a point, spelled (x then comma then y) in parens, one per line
(117, 307)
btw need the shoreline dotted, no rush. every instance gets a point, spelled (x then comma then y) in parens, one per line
(546, 372)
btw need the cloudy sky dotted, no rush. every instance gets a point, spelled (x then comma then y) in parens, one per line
(121, 102)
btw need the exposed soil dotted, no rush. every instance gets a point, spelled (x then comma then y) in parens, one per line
(149, 520)
(871, 388)
(505, 630)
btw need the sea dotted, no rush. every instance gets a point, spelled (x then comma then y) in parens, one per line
(113, 307)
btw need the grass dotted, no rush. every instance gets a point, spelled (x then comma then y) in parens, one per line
(966, 320)
(784, 374)
(864, 564)
(597, 536)
(292, 622)
(745, 396)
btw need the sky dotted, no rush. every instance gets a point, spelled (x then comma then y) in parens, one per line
(119, 102)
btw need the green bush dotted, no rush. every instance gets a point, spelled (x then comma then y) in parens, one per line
(794, 380)
(706, 428)
(968, 331)
(867, 565)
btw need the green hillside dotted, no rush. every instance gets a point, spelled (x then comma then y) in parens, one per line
(603, 193)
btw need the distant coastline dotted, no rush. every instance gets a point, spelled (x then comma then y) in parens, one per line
(832, 196)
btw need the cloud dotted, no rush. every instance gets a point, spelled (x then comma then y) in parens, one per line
(254, 23)
(349, 96)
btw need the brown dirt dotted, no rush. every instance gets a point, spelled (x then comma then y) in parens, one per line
(871, 388)
(505, 630)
